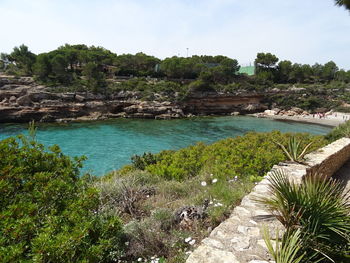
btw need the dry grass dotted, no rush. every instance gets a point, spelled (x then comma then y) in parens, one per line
(150, 216)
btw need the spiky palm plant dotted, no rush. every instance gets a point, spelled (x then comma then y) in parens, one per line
(286, 250)
(293, 151)
(319, 208)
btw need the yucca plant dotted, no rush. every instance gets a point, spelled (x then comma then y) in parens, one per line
(293, 151)
(287, 250)
(319, 208)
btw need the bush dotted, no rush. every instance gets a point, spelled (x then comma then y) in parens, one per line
(249, 156)
(343, 130)
(221, 173)
(47, 212)
(140, 162)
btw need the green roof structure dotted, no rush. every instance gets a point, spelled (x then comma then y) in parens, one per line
(249, 70)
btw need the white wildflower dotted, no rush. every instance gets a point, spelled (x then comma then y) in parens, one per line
(192, 242)
(139, 259)
(211, 174)
(203, 183)
(188, 239)
(253, 222)
(214, 180)
(236, 177)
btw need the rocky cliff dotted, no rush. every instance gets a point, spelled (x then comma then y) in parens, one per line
(23, 100)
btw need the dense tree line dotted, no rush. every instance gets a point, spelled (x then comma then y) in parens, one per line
(269, 70)
(70, 63)
(88, 68)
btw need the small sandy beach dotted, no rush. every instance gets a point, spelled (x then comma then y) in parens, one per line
(331, 120)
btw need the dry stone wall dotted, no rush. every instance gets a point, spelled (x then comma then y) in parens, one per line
(329, 159)
(239, 238)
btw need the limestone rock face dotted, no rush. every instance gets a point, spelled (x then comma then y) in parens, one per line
(224, 104)
(22, 100)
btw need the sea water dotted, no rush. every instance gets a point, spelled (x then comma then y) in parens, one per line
(108, 145)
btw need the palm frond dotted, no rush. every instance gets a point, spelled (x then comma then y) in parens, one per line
(287, 250)
(318, 207)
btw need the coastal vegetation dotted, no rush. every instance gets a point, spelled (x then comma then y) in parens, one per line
(158, 207)
(96, 69)
(316, 215)
(50, 213)
(343, 130)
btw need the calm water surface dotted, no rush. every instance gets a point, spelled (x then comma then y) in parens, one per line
(110, 144)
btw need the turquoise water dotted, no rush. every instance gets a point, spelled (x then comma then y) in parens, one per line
(110, 144)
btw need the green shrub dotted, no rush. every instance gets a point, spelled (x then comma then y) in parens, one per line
(179, 165)
(248, 157)
(140, 162)
(343, 130)
(47, 212)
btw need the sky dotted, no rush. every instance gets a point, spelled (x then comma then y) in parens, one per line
(301, 31)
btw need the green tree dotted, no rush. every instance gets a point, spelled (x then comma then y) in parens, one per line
(42, 67)
(59, 65)
(343, 76)
(23, 59)
(223, 72)
(139, 64)
(301, 73)
(265, 67)
(317, 70)
(95, 78)
(283, 71)
(265, 61)
(179, 67)
(329, 71)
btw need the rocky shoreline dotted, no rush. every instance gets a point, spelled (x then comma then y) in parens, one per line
(23, 100)
(330, 118)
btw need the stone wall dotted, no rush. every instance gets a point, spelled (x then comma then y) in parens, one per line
(329, 159)
(239, 238)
